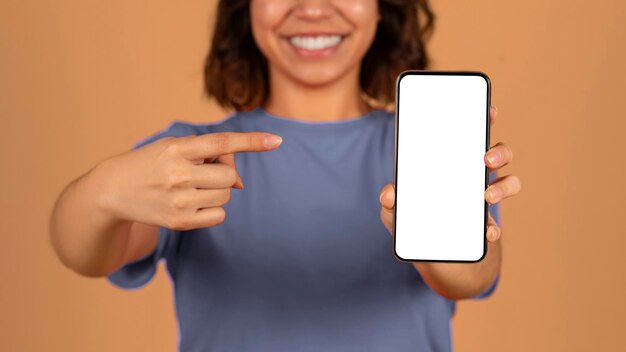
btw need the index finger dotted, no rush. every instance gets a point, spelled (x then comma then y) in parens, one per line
(212, 145)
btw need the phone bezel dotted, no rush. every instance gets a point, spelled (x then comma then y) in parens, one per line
(487, 142)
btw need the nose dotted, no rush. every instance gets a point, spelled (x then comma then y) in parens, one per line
(313, 9)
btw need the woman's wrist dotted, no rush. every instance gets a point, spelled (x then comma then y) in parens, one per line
(462, 280)
(101, 181)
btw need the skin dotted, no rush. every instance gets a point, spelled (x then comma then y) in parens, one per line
(314, 89)
(110, 215)
(465, 280)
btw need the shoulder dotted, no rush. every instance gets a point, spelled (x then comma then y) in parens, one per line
(385, 116)
(385, 120)
(181, 128)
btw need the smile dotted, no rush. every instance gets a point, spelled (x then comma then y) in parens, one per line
(318, 42)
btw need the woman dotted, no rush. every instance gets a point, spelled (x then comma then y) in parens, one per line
(300, 259)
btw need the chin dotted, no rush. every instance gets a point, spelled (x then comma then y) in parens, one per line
(316, 78)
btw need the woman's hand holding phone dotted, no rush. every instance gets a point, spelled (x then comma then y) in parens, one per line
(465, 280)
(505, 186)
(178, 182)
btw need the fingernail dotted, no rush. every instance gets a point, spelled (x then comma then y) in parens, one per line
(381, 197)
(390, 197)
(494, 234)
(493, 157)
(491, 233)
(495, 193)
(272, 140)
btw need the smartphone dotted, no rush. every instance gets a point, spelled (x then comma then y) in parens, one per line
(440, 177)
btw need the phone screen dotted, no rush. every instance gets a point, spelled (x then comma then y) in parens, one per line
(442, 134)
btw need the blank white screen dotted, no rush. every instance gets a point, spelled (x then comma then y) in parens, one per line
(440, 172)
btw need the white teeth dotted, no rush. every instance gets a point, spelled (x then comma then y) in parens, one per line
(315, 43)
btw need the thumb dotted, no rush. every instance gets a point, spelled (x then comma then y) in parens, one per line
(387, 196)
(229, 159)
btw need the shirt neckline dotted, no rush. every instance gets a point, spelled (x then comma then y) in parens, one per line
(302, 124)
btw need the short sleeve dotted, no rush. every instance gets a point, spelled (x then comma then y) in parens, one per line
(494, 209)
(136, 274)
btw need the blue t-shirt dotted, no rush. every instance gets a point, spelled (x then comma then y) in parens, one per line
(302, 261)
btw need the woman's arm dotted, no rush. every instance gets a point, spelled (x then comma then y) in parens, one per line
(87, 237)
(111, 215)
(463, 280)
(453, 280)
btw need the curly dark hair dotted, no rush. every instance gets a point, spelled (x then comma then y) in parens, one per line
(236, 72)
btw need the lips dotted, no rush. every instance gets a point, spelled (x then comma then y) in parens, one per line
(315, 45)
(315, 42)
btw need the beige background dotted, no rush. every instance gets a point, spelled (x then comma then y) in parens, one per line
(82, 80)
